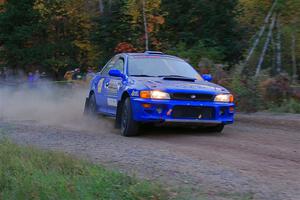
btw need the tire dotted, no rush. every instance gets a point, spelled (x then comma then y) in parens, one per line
(216, 129)
(129, 127)
(118, 116)
(90, 108)
(86, 107)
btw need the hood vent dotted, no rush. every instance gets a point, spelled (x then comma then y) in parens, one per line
(179, 79)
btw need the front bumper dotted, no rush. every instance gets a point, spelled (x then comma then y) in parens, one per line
(148, 110)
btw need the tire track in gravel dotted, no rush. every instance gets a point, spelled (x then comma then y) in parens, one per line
(248, 159)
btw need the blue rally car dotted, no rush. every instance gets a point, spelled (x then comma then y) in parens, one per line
(151, 87)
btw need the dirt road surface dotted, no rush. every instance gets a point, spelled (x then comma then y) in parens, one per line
(256, 158)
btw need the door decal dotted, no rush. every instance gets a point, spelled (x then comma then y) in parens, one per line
(112, 102)
(100, 84)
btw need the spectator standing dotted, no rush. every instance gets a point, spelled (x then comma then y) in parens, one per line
(77, 75)
(30, 79)
(90, 74)
(36, 76)
(68, 75)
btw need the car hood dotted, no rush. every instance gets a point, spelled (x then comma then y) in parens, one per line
(185, 86)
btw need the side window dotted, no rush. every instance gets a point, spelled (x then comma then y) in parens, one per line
(109, 66)
(119, 65)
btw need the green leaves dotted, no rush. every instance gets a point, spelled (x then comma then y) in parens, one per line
(72, 33)
(53, 35)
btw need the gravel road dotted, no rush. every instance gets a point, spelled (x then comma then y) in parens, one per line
(256, 158)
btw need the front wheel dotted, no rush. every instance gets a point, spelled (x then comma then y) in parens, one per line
(129, 127)
(90, 108)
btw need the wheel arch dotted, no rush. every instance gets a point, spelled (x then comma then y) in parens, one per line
(91, 92)
(124, 96)
(119, 108)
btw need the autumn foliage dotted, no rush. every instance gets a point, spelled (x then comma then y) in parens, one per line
(124, 47)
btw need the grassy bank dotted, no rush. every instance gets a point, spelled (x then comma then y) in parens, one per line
(27, 173)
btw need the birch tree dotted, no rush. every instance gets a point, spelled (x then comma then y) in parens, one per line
(145, 25)
(294, 61)
(144, 14)
(101, 6)
(278, 47)
(290, 26)
(261, 32)
(266, 45)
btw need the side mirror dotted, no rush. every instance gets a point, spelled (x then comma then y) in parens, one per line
(116, 73)
(207, 77)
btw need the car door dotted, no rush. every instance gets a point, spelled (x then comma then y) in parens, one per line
(112, 86)
(102, 84)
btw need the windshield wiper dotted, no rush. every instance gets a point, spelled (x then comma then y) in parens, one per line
(142, 75)
(176, 76)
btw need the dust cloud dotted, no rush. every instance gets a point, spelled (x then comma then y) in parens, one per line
(48, 104)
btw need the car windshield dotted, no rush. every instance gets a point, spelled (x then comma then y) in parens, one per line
(156, 66)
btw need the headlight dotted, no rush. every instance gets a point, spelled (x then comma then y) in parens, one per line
(155, 94)
(225, 98)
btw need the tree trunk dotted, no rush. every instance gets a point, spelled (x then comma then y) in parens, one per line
(101, 6)
(278, 47)
(260, 34)
(293, 51)
(274, 53)
(109, 6)
(266, 45)
(145, 26)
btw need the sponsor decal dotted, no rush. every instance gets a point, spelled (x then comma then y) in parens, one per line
(114, 86)
(100, 84)
(135, 93)
(112, 102)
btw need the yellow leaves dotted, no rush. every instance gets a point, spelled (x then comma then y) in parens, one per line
(83, 44)
(290, 13)
(153, 21)
(153, 4)
(39, 5)
(254, 11)
(135, 9)
(146, 13)
(68, 20)
(158, 19)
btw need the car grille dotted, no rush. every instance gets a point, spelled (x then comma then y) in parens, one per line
(193, 112)
(192, 97)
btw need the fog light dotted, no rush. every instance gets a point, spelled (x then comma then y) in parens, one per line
(222, 112)
(146, 105)
(169, 112)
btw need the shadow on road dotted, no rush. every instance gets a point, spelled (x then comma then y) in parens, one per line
(173, 131)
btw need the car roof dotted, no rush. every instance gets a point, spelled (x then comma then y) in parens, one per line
(151, 54)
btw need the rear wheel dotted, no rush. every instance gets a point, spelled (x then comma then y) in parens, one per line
(129, 127)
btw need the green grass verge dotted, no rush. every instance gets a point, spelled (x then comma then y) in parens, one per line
(27, 173)
(288, 106)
